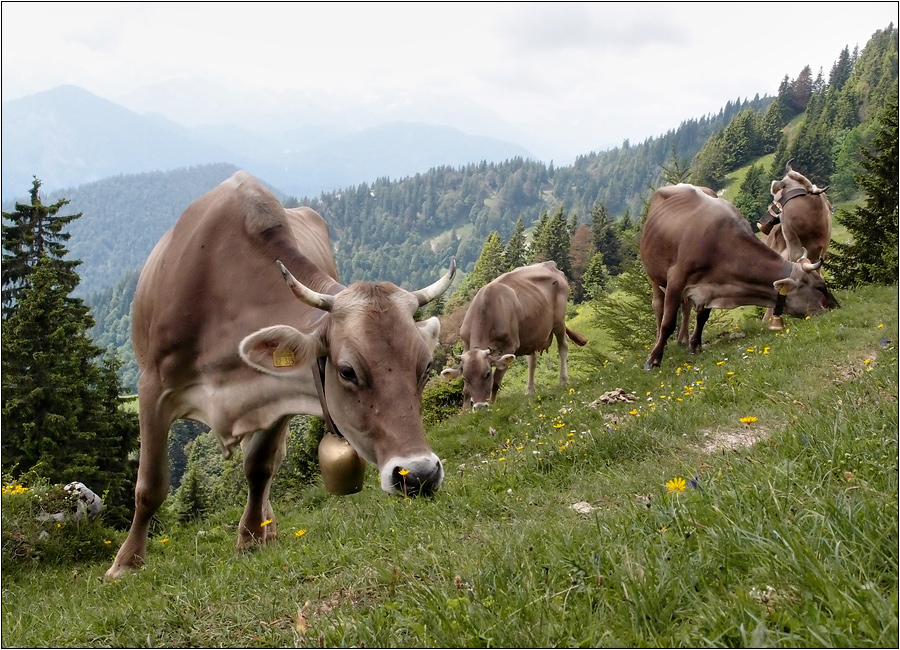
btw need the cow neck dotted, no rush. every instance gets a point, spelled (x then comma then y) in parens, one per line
(792, 194)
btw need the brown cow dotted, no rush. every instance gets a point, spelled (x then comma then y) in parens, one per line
(804, 223)
(805, 218)
(220, 339)
(696, 247)
(518, 313)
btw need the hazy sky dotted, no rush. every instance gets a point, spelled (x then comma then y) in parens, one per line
(583, 76)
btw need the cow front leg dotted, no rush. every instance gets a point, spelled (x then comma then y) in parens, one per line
(497, 380)
(264, 452)
(702, 317)
(152, 482)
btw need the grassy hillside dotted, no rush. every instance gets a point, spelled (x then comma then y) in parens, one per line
(746, 496)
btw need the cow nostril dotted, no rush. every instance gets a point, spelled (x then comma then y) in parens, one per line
(414, 482)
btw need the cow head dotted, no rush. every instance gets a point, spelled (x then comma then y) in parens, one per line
(476, 366)
(378, 359)
(804, 290)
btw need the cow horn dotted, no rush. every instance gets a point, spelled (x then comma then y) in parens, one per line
(429, 293)
(787, 165)
(312, 298)
(809, 266)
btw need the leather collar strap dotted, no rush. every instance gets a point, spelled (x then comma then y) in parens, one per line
(318, 371)
(792, 194)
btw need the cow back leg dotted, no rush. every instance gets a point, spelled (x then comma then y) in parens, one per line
(670, 303)
(152, 479)
(562, 345)
(263, 453)
(658, 300)
(702, 317)
(684, 324)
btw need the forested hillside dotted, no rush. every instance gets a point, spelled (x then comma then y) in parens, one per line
(405, 230)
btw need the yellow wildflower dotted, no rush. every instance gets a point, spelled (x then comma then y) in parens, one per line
(266, 523)
(677, 484)
(633, 412)
(749, 419)
(559, 425)
(404, 472)
(299, 533)
(164, 540)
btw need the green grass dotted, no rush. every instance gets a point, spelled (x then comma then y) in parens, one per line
(791, 541)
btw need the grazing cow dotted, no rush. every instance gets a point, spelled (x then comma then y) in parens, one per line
(805, 217)
(220, 339)
(515, 314)
(803, 223)
(698, 250)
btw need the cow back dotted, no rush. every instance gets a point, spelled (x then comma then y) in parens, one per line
(517, 311)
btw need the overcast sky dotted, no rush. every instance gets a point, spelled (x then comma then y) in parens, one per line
(582, 76)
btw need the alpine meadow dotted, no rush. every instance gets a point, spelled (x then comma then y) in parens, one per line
(745, 495)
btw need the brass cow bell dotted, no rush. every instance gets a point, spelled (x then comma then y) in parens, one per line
(342, 469)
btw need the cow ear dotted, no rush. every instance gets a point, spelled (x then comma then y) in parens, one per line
(430, 330)
(451, 373)
(505, 361)
(786, 285)
(280, 350)
(776, 187)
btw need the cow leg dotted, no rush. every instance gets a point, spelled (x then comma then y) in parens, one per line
(685, 322)
(563, 346)
(670, 304)
(152, 479)
(658, 300)
(263, 453)
(794, 246)
(532, 364)
(702, 317)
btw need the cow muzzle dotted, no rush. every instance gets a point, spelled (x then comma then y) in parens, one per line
(477, 406)
(421, 475)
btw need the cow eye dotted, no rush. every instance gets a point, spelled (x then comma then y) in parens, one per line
(487, 375)
(347, 374)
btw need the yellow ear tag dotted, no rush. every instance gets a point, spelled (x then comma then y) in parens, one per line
(783, 290)
(283, 358)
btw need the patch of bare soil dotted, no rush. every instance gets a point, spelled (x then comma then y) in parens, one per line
(722, 440)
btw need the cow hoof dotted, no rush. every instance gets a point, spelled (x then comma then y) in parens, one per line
(650, 365)
(776, 323)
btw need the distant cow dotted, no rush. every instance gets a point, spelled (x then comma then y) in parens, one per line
(804, 221)
(516, 314)
(220, 339)
(698, 250)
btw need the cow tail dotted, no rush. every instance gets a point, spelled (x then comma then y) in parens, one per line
(575, 337)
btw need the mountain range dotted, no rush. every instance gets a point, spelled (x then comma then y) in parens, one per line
(68, 136)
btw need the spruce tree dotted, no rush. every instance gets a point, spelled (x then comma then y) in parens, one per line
(34, 231)
(514, 253)
(753, 195)
(606, 240)
(60, 405)
(871, 254)
(553, 242)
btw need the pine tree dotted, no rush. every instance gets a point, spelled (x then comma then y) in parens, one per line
(514, 253)
(31, 232)
(595, 280)
(491, 263)
(753, 195)
(60, 406)
(606, 240)
(553, 242)
(871, 256)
